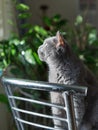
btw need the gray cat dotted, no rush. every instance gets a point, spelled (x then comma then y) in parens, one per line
(66, 68)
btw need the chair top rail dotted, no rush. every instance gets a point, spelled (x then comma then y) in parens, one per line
(41, 85)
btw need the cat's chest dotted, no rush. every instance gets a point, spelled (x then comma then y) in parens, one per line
(52, 77)
(56, 77)
(63, 75)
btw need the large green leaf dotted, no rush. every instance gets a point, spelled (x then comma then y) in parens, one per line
(40, 30)
(24, 15)
(92, 37)
(29, 56)
(79, 20)
(22, 7)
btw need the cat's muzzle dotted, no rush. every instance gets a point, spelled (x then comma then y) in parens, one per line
(41, 54)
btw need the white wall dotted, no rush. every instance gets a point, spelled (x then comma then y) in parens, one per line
(7, 14)
(1, 20)
(67, 8)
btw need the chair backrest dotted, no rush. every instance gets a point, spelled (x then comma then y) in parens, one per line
(30, 105)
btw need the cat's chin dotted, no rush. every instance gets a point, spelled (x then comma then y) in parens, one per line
(41, 55)
(42, 59)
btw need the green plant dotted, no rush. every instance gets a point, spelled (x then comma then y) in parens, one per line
(83, 38)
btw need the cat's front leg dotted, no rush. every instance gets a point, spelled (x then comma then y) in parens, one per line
(58, 124)
(56, 98)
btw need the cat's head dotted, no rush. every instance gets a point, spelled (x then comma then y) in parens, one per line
(53, 48)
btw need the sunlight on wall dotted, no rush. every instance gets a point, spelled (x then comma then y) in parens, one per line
(7, 19)
(1, 21)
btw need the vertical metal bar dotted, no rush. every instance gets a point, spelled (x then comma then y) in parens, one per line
(68, 98)
(12, 103)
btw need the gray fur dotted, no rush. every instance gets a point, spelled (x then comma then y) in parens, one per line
(66, 68)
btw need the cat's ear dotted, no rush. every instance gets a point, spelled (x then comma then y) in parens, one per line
(60, 38)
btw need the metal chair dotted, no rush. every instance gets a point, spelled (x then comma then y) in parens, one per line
(28, 99)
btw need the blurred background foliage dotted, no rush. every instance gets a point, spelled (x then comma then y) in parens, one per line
(20, 50)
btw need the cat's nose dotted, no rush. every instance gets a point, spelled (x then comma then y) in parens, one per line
(40, 50)
(40, 53)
